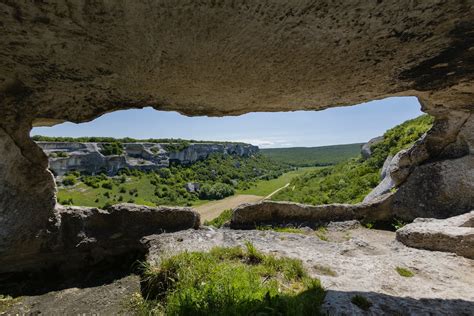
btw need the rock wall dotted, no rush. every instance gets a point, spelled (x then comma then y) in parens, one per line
(76, 60)
(283, 213)
(84, 236)
(87, 157)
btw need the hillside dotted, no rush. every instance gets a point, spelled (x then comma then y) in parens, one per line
(213, 178)
(313, 156)
(352, 180)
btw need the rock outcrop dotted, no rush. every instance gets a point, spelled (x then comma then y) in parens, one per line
(87, 157)
(76, 60)
(352, 261)
(85, 236)
(366, 150)
(248, 216)
(454, 234)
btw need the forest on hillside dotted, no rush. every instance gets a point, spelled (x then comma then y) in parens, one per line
(350, 181)
(313, 156)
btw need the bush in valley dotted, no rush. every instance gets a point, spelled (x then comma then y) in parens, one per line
(352, 180)
(110, 149)
(215, 191)
(69, 180)
(107, 185)
(227, 281)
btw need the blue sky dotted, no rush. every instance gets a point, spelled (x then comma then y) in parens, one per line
(341, 125)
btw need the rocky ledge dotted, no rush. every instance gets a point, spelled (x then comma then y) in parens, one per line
(87, 238)
(454, 234)
(351, 260)
(89, 157)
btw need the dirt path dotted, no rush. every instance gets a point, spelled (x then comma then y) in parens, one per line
(274, 192)
(213, 209)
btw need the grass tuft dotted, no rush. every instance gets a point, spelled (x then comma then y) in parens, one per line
(361, 302)
(227, 281)
(6, 302)
(404, 272)
(324, 270)
(220, 220)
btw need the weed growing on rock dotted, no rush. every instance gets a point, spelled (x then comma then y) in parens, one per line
(6, 302)
(220, 220)
(404, 272)
(228, 281)
(324, 270)
(361, 302)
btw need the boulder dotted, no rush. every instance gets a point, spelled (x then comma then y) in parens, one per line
(454, 234)
(85, 236)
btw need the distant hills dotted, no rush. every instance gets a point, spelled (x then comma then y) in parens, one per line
(313, 156)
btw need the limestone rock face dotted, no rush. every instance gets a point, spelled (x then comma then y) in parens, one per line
(76, 60)
(85, 236)
(439, 189)
(454, 234)
(366, 150)
(87, 157)
(274, 213)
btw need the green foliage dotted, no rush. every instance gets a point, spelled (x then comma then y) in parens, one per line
(361, 302)
(220, 220)
(66, 201)
(228, 281)
(219, 175)
(352, 180)
(216, 191)
(59, 154)
(313, 156)
(69, 180)
(398, 223)
(107, 185)
(109, 149)
(404, 272)
(175, 147)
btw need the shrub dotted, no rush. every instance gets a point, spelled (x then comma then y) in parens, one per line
(107, 185)
(68, 201)
(216, 191)
(69, 180)
(109, 149)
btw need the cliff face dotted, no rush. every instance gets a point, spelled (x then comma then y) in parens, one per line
(87, 157)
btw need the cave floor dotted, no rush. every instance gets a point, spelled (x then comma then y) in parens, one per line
(348, 259)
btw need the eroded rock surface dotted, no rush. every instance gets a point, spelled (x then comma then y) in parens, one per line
(85, 237)
(87, 157)
(275, 212)
(454, 234)
(362, 262)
